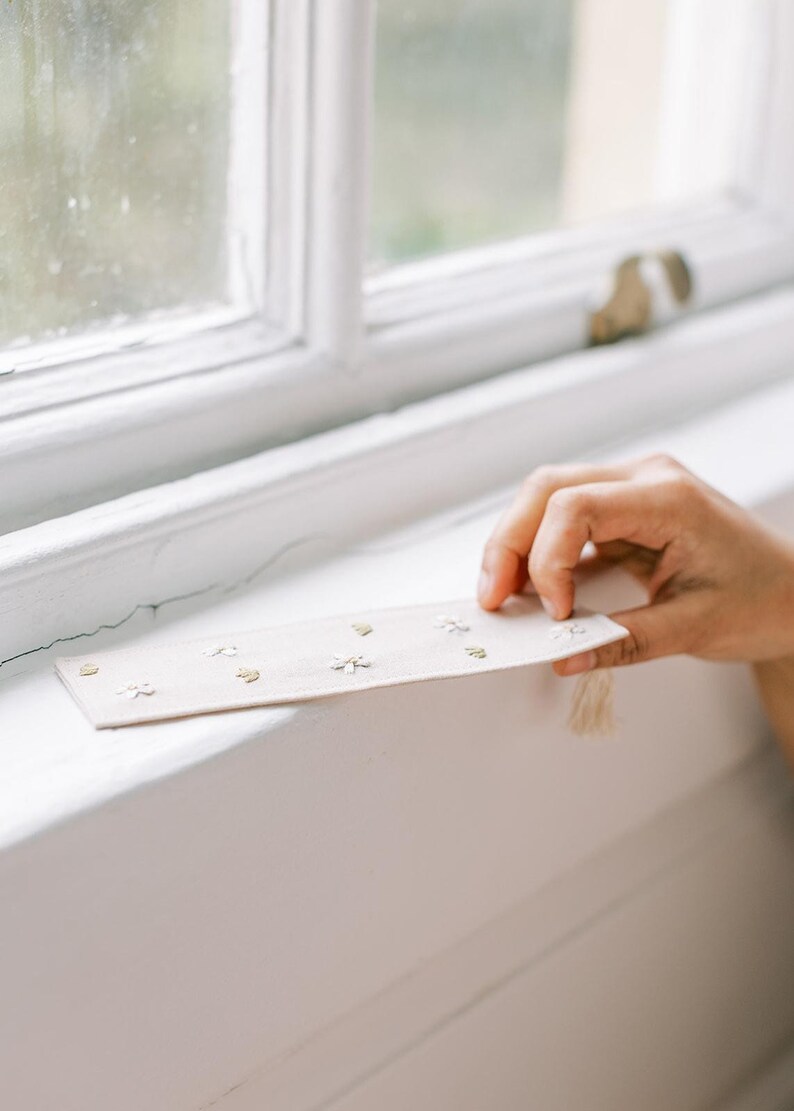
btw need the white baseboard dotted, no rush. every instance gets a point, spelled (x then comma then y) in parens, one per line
(646, 978)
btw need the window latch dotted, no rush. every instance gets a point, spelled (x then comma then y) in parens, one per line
(629, 309)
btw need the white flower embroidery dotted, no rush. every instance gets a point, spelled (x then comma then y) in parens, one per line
(450, 624)
(132, 690)
(348, 664)
(566, 631)
(220, 650)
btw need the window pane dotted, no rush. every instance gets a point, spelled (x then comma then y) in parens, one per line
(469, 122)
(114, 131)
(499, 118)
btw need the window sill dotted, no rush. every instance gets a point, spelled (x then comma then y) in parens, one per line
(142, 844)
(434, 557)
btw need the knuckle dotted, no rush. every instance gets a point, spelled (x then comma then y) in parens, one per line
(493, 549)
(633, 649)
(661, 461)
(541, 478)
(545, 576)
(708, 625)
(536, 568)
(569, 502)
(684, 489)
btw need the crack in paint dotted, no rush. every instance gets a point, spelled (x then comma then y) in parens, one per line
(245, 580)
(153, 606)
(285, 549)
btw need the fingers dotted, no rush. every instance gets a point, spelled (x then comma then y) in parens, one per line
(603, 512)
(504, 565)
(633, 514)
(663, 629)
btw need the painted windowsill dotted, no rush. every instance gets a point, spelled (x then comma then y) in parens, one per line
(48, 774)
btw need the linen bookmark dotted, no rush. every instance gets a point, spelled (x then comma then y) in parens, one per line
(329, 656)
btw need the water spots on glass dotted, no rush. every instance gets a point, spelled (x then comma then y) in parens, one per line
(98, 103)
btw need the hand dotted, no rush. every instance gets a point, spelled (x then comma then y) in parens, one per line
(720, 584)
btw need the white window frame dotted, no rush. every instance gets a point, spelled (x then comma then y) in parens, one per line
(462, 316)
(332, 347)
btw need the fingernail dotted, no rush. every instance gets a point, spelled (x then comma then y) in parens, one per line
(548, 607)
(484, 584)
(576, 665)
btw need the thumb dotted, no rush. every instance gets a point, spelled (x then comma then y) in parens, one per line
(653, 631)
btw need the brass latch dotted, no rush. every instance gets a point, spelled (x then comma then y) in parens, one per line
(629, 310)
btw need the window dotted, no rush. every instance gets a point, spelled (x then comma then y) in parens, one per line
(225, 224)
(496, 119)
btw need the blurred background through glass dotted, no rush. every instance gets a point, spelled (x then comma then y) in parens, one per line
(500, 118)
(114, 134)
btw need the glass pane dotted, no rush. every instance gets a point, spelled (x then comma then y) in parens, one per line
(500, 118)
(114, 131)
(469, 122)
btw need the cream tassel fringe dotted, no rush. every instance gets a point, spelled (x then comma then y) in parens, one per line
(593, 707)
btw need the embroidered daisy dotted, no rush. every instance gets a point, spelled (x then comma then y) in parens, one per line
(348, 664)
(220, 650)
(566, 631)
(450, 624)
(132, 690)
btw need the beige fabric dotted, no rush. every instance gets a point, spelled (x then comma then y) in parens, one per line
(314, 659)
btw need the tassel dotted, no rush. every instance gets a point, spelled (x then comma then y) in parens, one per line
(593, 706)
